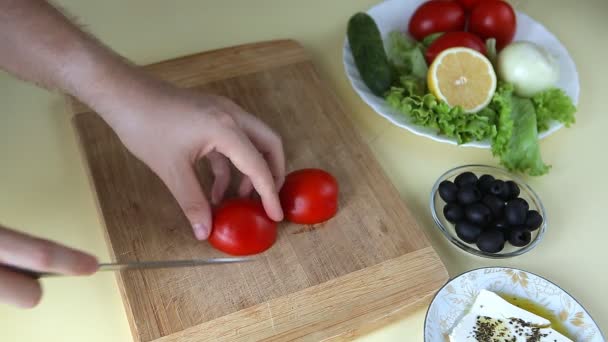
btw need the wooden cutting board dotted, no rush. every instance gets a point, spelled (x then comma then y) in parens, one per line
(364, 268)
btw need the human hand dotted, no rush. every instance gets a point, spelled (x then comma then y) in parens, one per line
(30, 253)
(170, 129)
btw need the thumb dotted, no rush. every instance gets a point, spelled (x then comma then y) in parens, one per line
(184, 185)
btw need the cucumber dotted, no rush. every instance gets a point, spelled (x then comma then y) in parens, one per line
(368, 51)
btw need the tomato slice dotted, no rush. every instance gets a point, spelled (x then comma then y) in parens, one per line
(309, 196)
(241, 227)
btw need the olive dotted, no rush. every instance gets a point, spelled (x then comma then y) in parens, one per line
(491, 241)
(448, 191)
(521, 202)
(484, 183)
(453, 212)
(495, 204)
(467, 231)
(533, 220)
(519, 237)
(515, 213)
(499, 189)
(513, 190)
(478, 214)
(468, 195)
(465, 178)
(501, 226)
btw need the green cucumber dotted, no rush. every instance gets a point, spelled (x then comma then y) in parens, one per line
(368, 51)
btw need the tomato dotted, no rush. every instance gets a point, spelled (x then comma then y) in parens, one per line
(454, 39)
(436, 16)
(469, 4)
(494, 19)
(241, 227)
(309, 196)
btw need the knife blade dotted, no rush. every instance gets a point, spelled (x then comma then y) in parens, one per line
(138, 265)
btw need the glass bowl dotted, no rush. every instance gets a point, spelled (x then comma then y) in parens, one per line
(447, 228)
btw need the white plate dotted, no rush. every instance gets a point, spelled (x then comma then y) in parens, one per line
(454, 299)
(393, 15)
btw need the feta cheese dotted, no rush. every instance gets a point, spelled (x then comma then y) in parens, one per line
(492, 318)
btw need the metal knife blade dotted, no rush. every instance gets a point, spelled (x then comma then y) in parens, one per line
(138, 265)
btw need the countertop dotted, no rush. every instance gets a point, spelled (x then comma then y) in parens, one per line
(45, 190)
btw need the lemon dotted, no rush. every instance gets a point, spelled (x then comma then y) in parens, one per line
(462, 77)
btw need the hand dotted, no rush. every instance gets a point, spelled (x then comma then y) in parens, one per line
(170, 129)
(30, 253)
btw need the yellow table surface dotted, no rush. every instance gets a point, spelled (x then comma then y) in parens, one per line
(44, 189)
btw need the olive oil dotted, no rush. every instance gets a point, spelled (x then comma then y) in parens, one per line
(539, 310)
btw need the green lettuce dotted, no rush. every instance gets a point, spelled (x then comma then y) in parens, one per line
(523, 151)
(501, 103)
(553, 105)
(406, 55)
(426, 110)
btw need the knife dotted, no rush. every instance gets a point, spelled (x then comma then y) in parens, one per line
(138, 265)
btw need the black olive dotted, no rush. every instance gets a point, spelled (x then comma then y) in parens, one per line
(533, 220)
(521, 202)
(500, 224)
(515, 213)
(453, 212)
(495, 204)
(484, 183)
(491, 241)
(468, 195)
(519, 237)
(448, 191)
(465, 179)
(467, 231)
(513, 190)
(478, 214)
(499, 189)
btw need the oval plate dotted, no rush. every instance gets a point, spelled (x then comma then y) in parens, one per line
(454, 299)
(393, 15)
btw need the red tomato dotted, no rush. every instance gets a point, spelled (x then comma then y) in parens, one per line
(241, 227)
(437, 16)
(494, 19)
(469, 4)
(309, 196)
(454, 39)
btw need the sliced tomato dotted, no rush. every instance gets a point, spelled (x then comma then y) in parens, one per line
(241, 227)
(309, 196)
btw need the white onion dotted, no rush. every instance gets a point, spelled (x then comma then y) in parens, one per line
(529, 67)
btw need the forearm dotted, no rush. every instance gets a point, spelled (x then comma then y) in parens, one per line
(39, 44)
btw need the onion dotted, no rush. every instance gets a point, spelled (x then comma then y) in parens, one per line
(529, 67)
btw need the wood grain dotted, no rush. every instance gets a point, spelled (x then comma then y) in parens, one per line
(339, 278)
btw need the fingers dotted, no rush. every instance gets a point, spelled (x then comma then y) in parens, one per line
(24, 251)
(180, 178)
(237, 147)
(266, 140)
(245, 187)
(221, 172)
(19, 290)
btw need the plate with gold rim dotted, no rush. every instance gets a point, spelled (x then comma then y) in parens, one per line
(531, 291)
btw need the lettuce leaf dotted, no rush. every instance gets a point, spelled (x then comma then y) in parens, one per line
(501, 103)
(426, 110)
(406, 55)
(553, 104)
(523, 151)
